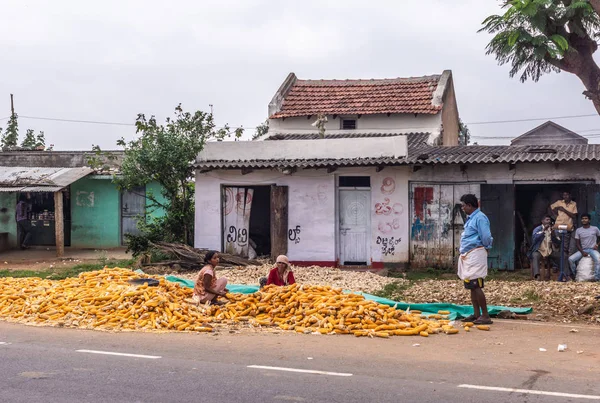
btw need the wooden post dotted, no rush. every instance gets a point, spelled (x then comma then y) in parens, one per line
(279, 220)
(59, 223)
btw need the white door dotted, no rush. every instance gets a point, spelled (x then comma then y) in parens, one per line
(355, 221)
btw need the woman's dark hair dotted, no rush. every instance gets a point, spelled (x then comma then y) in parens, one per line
(589, 217)
(209, 255)
(470, 199)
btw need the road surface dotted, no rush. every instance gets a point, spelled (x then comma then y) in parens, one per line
(503, 365)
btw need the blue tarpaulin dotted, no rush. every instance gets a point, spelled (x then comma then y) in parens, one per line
(456, 311)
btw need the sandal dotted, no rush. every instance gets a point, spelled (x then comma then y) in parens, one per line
(469, 318)
(481, 321)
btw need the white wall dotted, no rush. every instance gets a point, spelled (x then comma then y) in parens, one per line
(408, 122)
(313, 207)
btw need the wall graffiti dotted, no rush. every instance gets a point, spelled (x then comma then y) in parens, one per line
(389, 186)
(388, 227)
(294, 234)
(84, 199)
(237, 235)
(388, 245)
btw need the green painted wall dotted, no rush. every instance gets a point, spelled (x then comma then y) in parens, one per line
(8, 207)
(156, 190)
(95, 214)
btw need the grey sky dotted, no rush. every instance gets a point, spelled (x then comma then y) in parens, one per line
(109, 60)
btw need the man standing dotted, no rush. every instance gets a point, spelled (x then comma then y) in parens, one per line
(586, 238)
(475, 242)
(565, 212)
(541, 245)
(23, 222)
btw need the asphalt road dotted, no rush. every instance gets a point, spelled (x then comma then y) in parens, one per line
(65, 365)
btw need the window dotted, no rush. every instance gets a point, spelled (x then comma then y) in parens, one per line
(348, 124)
(355, 181)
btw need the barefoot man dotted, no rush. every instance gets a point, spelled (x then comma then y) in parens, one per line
(475, 242)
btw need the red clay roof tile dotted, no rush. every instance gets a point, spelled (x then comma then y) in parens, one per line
(360, 97)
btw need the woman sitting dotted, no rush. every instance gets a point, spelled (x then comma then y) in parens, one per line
(281, 274)
(208, 288)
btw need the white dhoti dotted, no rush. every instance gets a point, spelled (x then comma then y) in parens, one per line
(473, 264)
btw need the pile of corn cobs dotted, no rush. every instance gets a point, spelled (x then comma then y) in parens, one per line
(105, 300)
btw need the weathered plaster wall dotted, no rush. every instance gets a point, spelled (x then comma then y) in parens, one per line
(406, 122)
(313, 207)
(8, 207)
(503, 173)
(95, 214)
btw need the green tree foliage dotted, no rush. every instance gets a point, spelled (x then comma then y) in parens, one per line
(40, 141)
(261, 130)
(10, 137)
(541, 36)
(166, 154)
(29, 142)
(464, 135)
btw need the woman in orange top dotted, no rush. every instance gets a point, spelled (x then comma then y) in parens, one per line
(208, 287)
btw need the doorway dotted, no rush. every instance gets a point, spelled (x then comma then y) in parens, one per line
(133, 208)
(246, 215)
(354, 220)
(532, 202)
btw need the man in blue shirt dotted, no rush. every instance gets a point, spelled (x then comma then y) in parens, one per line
(475, 242)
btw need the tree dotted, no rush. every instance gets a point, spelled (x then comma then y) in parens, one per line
(29, 142)
(263, 129)
(166, 154)
(40, 141)
(542, 36)
(464, 135)
(10, 138)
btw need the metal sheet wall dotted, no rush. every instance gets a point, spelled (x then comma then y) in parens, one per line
(436, 222)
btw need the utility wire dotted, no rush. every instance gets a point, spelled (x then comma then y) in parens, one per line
(530, 119)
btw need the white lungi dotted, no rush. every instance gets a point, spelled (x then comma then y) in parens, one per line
(473, 264)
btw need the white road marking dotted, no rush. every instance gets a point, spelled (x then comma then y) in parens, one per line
(3, 342)
(304, 371)
(152, 357)
(531, 392)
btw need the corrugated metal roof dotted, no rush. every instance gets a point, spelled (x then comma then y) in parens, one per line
(504, 154)
(38, 179)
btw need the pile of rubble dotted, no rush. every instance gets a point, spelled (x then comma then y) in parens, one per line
(555, 301)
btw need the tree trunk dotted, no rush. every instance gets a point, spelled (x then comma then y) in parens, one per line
(579, 60)
(596, 6)
(590, 77)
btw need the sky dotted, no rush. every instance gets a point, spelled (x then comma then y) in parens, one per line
(108, 61)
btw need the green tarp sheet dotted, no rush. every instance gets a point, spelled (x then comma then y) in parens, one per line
(456, 311)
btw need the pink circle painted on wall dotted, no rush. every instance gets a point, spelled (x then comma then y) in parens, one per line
(389, 186)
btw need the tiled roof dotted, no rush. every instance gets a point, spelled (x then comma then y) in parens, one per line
(433, 155)
(416, 139)
(360, 97)
(504, 154)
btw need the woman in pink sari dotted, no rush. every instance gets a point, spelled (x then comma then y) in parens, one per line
(208, 287)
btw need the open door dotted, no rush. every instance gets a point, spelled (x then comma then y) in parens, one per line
(498, 203)
(279, 220)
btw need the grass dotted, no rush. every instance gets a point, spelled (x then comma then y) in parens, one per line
(393, 291)
(59, 273)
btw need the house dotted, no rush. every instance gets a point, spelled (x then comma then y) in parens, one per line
(549, 133)
(337, 201)
(68, 200)
(516, 184)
